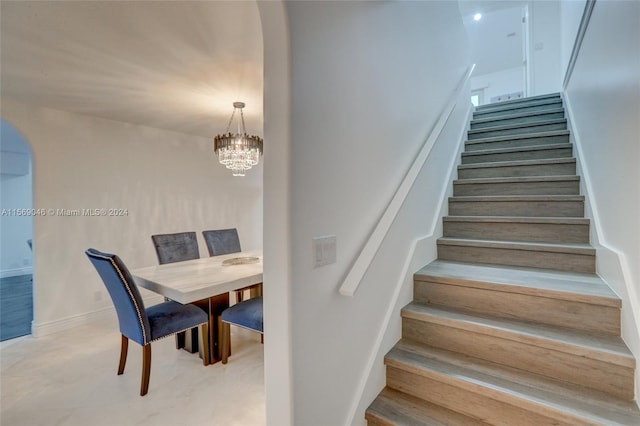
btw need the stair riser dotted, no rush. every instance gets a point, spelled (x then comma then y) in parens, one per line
(558, 169)
(516, 143)
(533, 259)
(595, 374)
(526, 232)
(517, 131)
(468, 402)
(480, 114)
(557, 312)
(505, 121)
(517, 188)
(538, 154)
(517, 208)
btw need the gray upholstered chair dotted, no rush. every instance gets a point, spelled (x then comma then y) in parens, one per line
(226, 241)
(140, 324)
(172, 248)
(246, 314)
(176, 247)
(222, 241)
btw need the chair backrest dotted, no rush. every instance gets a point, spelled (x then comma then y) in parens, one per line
(124, 293)
(222, 241)
(176, 247)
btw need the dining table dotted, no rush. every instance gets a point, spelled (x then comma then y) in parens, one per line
(205, 282)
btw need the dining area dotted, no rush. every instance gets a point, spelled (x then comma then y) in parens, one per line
(196, 290)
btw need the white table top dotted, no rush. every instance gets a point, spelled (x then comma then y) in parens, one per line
(198, 279)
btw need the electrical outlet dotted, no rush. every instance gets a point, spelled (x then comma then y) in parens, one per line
(324, 250)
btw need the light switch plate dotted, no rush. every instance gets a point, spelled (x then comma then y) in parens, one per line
(323, 250)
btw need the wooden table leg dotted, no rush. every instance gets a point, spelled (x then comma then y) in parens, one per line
(256, 290)
(217, 304)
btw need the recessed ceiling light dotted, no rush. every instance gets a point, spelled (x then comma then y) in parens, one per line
(477, 16)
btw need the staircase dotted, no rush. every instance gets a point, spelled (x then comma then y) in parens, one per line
(510, 325)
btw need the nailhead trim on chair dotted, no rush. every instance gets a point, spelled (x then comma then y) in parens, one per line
(126, 284)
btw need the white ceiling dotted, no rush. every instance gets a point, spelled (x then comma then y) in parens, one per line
(176, 65)
(497, 39)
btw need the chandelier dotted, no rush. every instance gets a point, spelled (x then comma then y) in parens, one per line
(238, 151)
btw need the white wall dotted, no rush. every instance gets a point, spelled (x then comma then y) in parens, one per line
(499, 83)
(570, 16)
(603, 99)
(166, 182)
(369, 80)
(496, 39)
(15, 192)
(545, 47)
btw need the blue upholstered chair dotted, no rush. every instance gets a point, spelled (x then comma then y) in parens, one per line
(140, 324)
(226, 241)
(176, 247)
(246, 314)
(172, 248)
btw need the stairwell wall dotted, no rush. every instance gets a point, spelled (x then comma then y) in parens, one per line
(603, 104)
(369, 80)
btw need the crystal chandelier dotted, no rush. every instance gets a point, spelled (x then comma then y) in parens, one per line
(238, 151)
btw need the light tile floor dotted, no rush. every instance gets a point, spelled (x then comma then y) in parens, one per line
(69, 378)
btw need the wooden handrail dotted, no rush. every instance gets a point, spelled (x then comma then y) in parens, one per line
(360, 266)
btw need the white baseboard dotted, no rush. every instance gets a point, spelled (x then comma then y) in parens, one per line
(63, 324)
(15, 272)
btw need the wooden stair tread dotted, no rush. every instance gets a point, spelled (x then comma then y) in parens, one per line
(519, 136)
(610, 349)
(517, 149)
(518, 219)
(517, 115)
(513, 386)
(555, 97)
(574, 286)
(512, 163)
(582, 249)
(518, 179)
(506, 198)
(518, 126)
(395, 407)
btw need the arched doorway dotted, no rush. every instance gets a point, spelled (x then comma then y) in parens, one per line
(16, 235)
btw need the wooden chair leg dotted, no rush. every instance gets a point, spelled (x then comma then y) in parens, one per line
(123, 354)
(146, 369)
(239, 296)
(262, 338)
(204, 344)
(226, 336)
